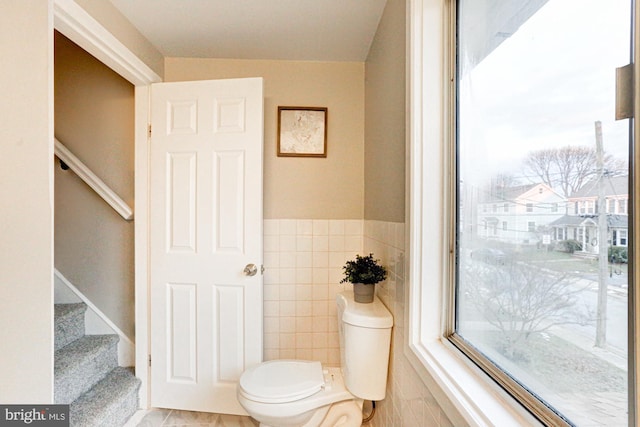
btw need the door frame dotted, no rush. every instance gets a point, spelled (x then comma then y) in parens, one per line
(80, 27)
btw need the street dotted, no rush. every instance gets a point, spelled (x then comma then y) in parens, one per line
(616, 317)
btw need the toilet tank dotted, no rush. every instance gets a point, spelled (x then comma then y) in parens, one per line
(365, 341)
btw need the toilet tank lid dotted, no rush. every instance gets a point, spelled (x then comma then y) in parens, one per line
(370, 315)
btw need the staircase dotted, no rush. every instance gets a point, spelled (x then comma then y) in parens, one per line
(87, 375)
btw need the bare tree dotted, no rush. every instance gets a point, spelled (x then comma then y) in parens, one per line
(520, 300)
(504, 180)
(495, 189)
(568, 168)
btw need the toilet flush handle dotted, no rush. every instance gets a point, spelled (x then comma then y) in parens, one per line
(250, 270)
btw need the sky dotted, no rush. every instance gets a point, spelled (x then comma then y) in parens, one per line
(546, 86)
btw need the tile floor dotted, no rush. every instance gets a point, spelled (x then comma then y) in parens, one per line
(174, 418)
(169, 417)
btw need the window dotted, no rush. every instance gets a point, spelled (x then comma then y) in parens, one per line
(622, 206)
(505, 208)
(504, 225)
(527, 86)
(611, 206)
(560, 234)
(622, 238)
(431, 259)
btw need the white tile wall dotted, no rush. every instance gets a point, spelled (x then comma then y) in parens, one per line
(303, 262)
(303, 267)
(408, 402)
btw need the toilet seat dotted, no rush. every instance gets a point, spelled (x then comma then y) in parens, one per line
(294, 413)
(282, 381)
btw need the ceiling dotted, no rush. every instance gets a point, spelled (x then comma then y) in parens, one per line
(308, 30)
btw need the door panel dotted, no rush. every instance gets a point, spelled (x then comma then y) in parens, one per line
(206, 226)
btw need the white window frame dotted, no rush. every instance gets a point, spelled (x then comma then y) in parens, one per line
(622, 206)
(623, 236)
(583, 207)
(465, 393)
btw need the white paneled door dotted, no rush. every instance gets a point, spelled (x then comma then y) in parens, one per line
(206, 228)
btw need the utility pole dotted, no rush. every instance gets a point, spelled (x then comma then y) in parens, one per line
(603, 247)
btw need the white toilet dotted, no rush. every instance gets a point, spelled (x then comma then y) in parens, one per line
(298, 393)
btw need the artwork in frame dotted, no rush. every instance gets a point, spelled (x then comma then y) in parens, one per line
(302, 132)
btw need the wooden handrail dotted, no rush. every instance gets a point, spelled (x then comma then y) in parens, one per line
(92, 180)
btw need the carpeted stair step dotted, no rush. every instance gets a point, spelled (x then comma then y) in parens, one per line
(69, 323)
(111, 402)
(83, 363)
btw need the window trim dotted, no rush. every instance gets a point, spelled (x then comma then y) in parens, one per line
(463, 391)
(618, 235)
(623, 206)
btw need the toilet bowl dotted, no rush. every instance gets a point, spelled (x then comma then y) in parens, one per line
(295, 393)
(299, 393)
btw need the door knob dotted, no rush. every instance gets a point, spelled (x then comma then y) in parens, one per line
(250, 270)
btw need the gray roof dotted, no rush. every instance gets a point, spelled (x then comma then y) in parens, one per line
(613, 186)
(506, 194)
(618, 221)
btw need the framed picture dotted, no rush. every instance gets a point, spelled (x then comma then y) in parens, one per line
(302, 132)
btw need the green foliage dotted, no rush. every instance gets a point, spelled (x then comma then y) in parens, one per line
(364, 270)
(618, 254)
(571, 246)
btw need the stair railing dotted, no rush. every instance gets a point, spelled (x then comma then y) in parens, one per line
(67, 158)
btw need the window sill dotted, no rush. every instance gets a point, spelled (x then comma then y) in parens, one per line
(476, 400)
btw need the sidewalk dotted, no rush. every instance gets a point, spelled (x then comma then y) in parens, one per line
(603, 409)
(608, 409)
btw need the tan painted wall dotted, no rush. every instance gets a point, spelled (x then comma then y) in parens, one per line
(385, 118)
(385, 156)
(26, 210)
(111, 18)
(295, 188)
(94, 113)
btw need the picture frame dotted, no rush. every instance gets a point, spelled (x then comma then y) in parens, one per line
(302, 132)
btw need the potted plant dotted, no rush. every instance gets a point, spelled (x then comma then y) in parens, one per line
(364, 273)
